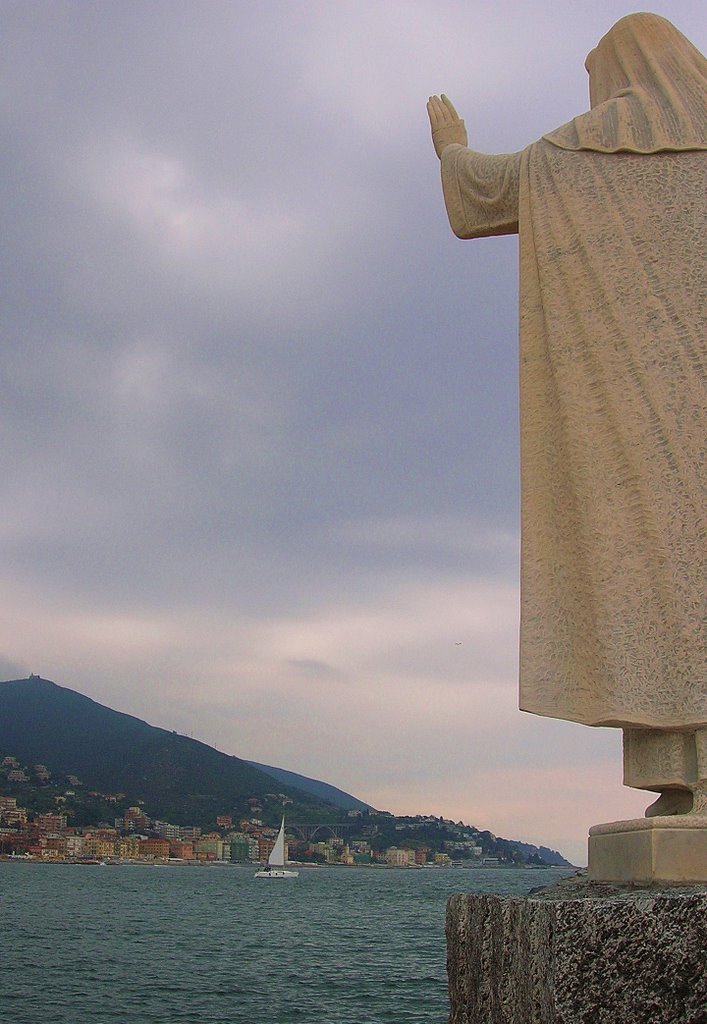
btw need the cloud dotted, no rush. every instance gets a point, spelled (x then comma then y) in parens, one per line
(310, 668)
(262, 248)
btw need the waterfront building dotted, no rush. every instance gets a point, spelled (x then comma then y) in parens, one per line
(400, 858)
(95, 846)
(265, 846)
(127, 847)
(181, 849)
(153, 849)
(74, 846)
(54, 846)
(326, 851)
(209, 849)
(240, 847)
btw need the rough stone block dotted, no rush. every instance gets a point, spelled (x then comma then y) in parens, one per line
(579, 953)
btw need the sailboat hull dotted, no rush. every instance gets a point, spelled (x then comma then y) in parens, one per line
(276, 873)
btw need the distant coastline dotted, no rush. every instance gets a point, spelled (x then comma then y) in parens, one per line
(80, 781)
(176, 863)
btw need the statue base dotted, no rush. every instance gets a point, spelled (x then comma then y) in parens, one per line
(661, 849)
(579, 951)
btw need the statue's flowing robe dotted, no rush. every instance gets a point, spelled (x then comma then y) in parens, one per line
(612, 384)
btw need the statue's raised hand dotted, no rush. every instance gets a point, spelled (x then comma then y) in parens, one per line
(447, 127)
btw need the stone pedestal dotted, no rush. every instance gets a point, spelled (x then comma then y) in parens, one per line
(579, 953)
(665, 849)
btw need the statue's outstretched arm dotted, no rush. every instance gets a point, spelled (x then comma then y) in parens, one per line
(447, 127)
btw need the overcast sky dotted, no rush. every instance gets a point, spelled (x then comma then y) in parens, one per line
(259, 452)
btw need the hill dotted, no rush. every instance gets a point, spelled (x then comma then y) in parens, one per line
(177, 778)
(320, 790)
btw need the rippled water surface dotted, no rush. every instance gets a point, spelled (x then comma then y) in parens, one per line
(212, 944)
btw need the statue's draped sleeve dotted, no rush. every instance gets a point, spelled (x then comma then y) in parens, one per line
(480, 192)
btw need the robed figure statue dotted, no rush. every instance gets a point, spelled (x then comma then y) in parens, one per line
(610, 211)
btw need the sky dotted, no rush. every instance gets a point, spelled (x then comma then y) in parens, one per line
(259, 428)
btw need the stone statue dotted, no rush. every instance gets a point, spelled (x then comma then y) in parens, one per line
(610, 211)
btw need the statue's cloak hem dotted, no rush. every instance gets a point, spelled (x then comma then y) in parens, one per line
(612, 374)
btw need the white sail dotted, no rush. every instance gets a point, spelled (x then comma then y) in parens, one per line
(277, 854)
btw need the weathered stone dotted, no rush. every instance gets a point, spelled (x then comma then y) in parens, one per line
(579, 953)
(665, 849)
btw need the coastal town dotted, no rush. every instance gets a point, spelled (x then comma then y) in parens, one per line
(132, 836)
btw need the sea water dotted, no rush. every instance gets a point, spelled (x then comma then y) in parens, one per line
(187, 945)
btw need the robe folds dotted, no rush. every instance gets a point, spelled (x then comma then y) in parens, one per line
(612, 392)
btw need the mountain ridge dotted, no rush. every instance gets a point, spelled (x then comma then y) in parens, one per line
(323, 789)
(182, 777)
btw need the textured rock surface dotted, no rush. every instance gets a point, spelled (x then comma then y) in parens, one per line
(579, 953)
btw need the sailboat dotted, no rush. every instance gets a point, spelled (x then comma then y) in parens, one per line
(276, 861)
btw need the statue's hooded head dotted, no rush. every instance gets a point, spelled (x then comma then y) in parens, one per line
(647, 90)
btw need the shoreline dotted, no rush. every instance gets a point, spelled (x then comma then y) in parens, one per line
(176, 863)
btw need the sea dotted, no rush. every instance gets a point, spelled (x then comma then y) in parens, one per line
(186, 944)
